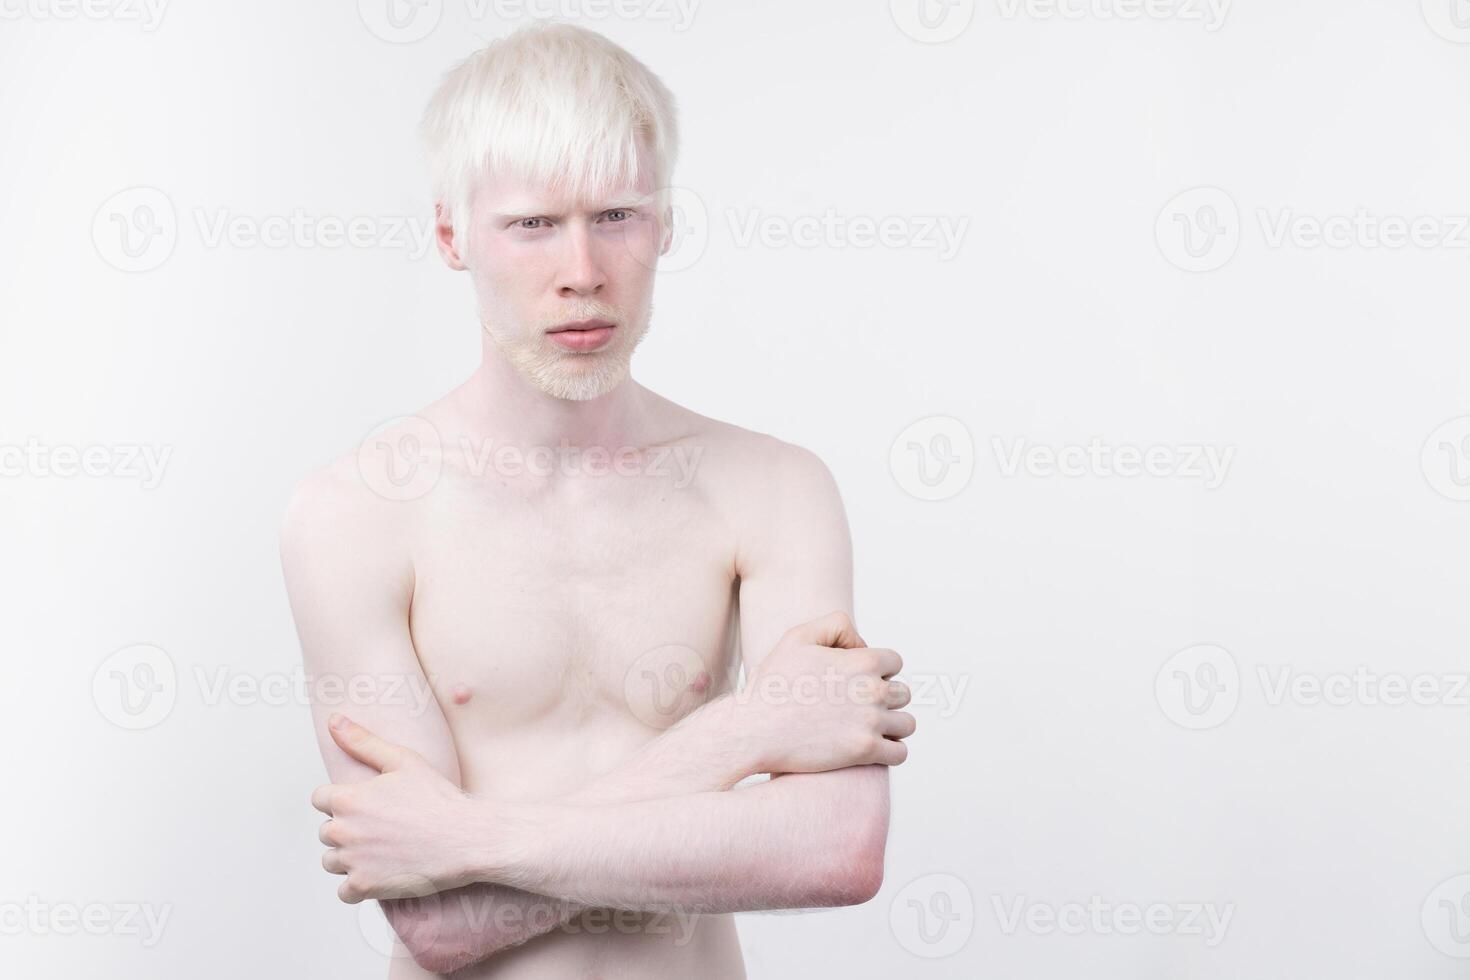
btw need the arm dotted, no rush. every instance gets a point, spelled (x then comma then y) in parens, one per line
(771, 846)
(349, 581)
(800, 840)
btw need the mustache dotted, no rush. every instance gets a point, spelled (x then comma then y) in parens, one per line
(588, 310)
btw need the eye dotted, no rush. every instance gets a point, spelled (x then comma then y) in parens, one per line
(529, 223)
(625, 212)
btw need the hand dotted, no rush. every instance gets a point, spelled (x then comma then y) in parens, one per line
(400, 834)
(823, 700)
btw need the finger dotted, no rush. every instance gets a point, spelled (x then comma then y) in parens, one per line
(332, 861)
(897, 695)
(349, 893)
(321, 798)
(366, 747)
(897, 724)
(891, 753)
(888, 662)
(832, 630)
(327, 834)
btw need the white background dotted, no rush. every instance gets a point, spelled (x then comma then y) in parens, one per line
(1061, 772)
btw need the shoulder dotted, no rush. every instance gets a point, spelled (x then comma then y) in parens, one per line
(746, 460)
(768, 490)
(339, 519)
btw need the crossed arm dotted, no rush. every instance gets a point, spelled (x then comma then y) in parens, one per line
(657, 833)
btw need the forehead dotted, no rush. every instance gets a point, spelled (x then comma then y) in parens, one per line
(510, 192)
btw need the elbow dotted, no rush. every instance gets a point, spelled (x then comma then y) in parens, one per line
(858, 882)
(438, 960)
(422, 931)
(856, 875)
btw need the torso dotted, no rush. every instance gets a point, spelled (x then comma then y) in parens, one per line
(563, 623)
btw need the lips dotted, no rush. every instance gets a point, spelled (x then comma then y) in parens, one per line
(593, 324)
(582, 335)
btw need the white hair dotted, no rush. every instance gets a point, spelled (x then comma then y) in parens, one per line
(554, 104)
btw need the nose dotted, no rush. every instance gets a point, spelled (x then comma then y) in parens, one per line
(582, 271)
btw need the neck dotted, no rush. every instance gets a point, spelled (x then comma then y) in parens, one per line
(500, 404)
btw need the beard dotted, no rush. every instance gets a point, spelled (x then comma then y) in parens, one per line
(570, 375)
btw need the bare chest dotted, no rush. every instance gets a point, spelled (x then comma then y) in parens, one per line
(603, 612)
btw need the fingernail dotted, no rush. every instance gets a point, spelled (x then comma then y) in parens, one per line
(335, 720)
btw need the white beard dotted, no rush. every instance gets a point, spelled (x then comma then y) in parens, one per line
(568, 375)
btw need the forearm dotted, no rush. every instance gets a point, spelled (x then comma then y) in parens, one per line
(704, 752)
(707, 751)
(801, 841)
(450, 930)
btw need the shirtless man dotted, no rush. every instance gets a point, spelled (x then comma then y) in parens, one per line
(577, 569)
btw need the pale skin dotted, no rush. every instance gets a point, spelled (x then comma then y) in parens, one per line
(580, 631)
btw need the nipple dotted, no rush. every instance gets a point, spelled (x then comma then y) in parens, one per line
(700, 683)
(461, 694)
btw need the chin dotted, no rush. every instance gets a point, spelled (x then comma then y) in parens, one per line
(581, 378)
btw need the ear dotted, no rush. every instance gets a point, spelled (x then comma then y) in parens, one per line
(668, 225)
(444, 238)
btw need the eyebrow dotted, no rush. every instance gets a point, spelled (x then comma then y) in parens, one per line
(525, 209)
